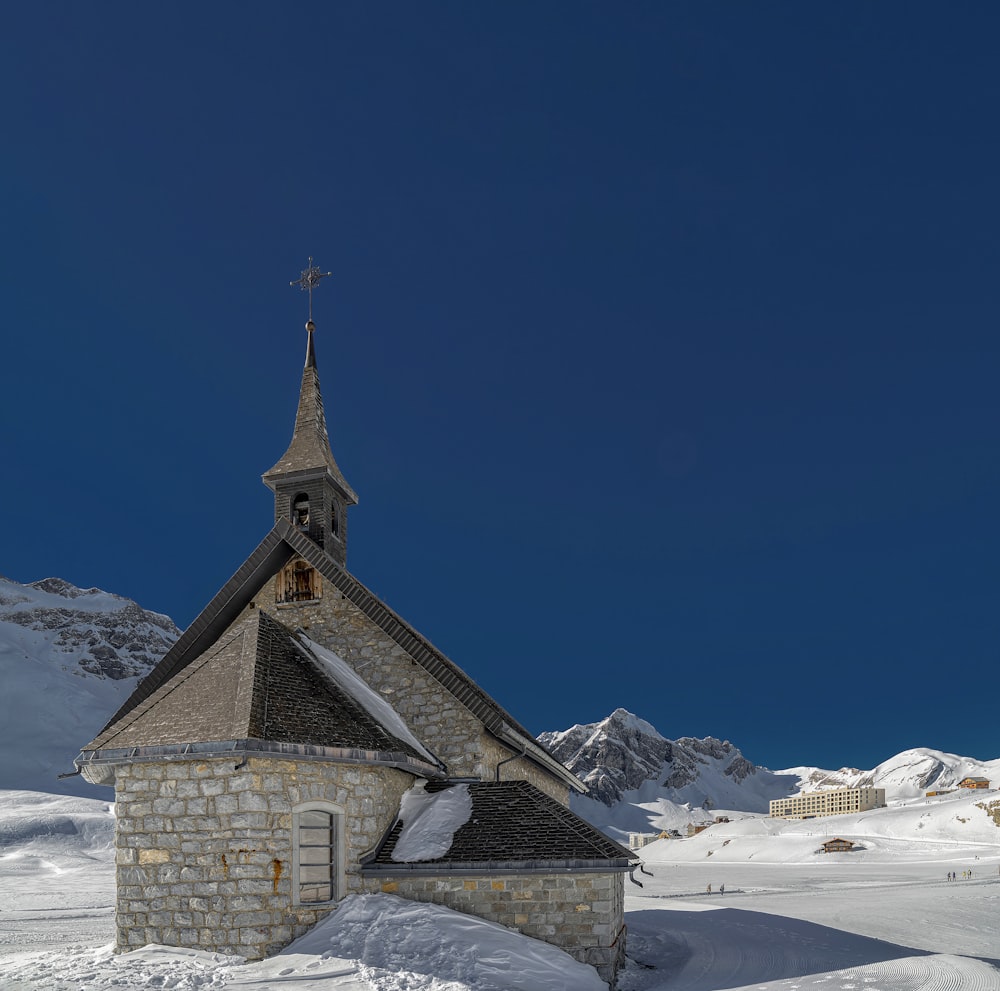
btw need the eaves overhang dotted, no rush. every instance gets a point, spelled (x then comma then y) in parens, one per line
(479, 867)
(272, 477)
(532, 751)
(240, 749)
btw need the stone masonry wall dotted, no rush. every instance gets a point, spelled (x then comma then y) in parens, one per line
(436, 717)
(204, 852)
(519, 769)
(583, 914)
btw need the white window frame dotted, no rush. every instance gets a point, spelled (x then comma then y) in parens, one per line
(337, 886)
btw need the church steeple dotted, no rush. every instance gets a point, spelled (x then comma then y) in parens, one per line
(309, 488)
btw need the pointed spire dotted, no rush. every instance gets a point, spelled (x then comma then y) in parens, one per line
(309, 488)
(310, 347)
(309, 449)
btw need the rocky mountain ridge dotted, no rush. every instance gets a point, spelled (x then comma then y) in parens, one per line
(623, 752)
(68, 658)
(106, 635)
(642, 782)
(624, 755)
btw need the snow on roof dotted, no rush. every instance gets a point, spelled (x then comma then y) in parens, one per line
(373, 703)
(430, 821)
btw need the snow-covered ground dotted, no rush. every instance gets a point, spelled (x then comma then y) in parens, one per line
(882, 918)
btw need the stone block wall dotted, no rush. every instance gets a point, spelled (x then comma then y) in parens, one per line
(204, 851)
(583, 914)
(436, 717)
(519, 769)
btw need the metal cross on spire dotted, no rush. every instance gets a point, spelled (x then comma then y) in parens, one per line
(308, 281)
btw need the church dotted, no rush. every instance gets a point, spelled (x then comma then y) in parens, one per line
(302, 742)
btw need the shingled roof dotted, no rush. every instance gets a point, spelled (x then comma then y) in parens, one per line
(256, 690)
(310, 444)
(514, 827)
(282, 544)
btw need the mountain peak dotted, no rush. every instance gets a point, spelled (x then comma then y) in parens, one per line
(68, 656)
(623, 753)
(622, 718)
(640, 781)
(58, 586)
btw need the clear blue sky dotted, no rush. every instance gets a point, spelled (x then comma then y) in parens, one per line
(661, 342)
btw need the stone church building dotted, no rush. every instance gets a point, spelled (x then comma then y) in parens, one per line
(301, 741)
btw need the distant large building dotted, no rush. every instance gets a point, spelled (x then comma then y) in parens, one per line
(835, 802)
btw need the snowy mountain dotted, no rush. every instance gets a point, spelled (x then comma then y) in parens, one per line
(909, 774)
(962, 825)
(623, 753)
(68, 658)
(642, 782)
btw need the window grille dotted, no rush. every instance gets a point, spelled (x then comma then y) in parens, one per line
(317, 843)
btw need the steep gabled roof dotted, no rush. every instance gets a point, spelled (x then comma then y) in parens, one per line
(258, 689)
(282, 544)
(514, 827)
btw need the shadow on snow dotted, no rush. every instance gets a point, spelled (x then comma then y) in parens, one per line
(704, 951)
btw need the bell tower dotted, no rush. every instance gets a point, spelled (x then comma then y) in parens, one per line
(309, 489)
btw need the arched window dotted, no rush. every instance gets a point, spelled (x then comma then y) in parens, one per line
(317, 853)
(300, 510)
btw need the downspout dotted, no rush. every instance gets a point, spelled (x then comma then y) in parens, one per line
(507, 761)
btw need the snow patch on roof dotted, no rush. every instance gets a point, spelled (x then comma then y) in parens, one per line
(374, 704)
(430, 822)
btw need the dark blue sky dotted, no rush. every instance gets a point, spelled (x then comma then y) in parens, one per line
(661, 342)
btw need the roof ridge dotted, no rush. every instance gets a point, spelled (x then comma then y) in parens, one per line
(247, 671)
